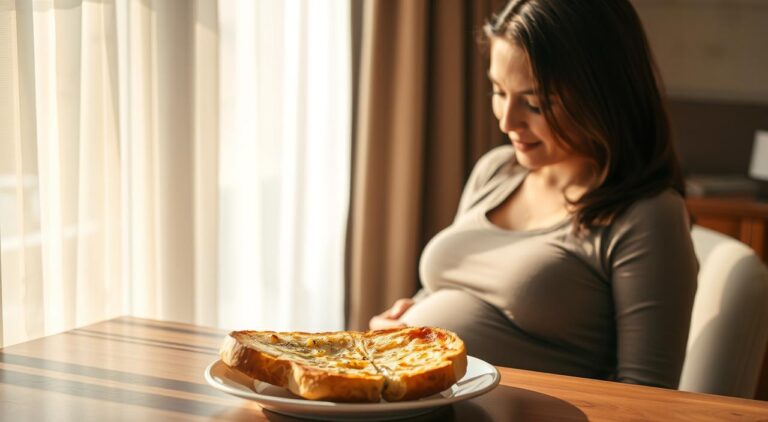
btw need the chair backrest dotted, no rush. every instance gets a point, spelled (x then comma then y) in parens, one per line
(729, 323)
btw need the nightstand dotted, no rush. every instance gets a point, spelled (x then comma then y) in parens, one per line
(745, 219)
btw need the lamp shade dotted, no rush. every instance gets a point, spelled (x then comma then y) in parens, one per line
(758, 169)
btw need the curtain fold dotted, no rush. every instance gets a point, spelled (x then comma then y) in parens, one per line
(423, 118)
(161, 116)
(206, 160)
(60, 167)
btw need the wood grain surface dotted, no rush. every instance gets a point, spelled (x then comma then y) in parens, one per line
(144, 370)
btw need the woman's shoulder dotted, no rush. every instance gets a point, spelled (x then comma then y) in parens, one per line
(490, 172)
(492, 162)
(656, 228)
(664, 205)
(664, 213)
(497, 156)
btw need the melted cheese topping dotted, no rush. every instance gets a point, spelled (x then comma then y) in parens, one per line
(410, 351)
(335, 352)
(391, 353)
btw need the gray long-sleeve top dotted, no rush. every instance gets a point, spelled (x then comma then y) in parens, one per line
(612, 304)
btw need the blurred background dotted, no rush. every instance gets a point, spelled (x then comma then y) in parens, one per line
(714, 62)
(280, 164)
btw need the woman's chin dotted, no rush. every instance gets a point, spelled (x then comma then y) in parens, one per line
(527, 161)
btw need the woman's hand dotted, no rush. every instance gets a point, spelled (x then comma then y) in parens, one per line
(389, 318)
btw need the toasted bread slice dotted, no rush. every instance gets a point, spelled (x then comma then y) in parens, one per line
(417, 362)
(351, 366)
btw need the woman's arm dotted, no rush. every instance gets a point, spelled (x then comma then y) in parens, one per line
(654, 273)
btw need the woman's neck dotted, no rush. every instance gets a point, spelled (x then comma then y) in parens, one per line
(573, 178)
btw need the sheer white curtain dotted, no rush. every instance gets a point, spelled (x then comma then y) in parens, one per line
(173, 159)
(60, 197)
(169, 120)
(285, 130)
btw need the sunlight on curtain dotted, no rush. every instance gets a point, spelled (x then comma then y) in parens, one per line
(284, 165)
(59, 167)
(238, 116)
(159, 124)
(173, 159)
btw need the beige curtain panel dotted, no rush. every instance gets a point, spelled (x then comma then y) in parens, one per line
(423, 117)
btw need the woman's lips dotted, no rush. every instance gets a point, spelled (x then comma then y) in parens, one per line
(525, 146)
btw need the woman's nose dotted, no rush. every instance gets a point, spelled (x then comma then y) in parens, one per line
(511, 120)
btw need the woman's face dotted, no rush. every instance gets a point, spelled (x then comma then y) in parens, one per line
(516, 105)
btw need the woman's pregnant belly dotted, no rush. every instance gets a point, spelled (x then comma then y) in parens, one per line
(489, 335)
(478, 323)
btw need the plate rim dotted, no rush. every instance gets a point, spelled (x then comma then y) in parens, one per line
(269, 401)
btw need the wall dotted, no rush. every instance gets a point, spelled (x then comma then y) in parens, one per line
(713, 57)
(715, 137)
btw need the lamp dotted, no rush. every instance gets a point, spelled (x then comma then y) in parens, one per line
(758, 168)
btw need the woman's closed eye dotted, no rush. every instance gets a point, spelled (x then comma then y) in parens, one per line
(496, 93)
(530, 104)
(533, 106)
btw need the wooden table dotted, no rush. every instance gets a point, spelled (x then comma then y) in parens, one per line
(144, 370)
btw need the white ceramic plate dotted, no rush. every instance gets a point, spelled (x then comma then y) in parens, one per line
(480, 378)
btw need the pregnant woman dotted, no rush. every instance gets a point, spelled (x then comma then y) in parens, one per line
(570, 252)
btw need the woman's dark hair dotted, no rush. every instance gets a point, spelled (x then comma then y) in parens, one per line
(594, 57)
